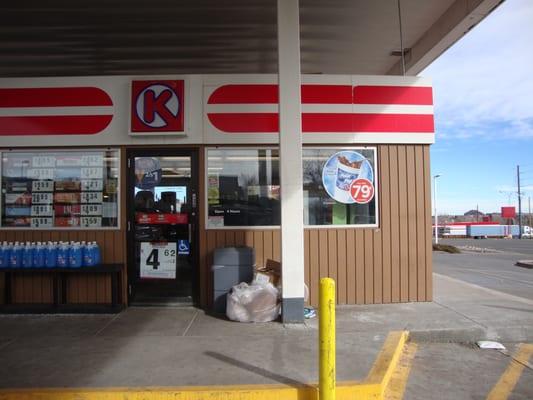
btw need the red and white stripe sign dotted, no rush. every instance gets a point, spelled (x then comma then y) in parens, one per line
(326, 108)
(54, 111)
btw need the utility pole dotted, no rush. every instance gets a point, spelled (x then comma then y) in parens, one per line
(519, 203)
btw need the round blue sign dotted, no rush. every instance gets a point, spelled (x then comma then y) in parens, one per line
(341, 170)
(147, 172)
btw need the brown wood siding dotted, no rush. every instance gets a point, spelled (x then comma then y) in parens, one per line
(391, 263)
(82, 288)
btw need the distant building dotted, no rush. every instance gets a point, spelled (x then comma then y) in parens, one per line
(474, 215)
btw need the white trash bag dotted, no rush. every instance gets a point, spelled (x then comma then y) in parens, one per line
(253, 303)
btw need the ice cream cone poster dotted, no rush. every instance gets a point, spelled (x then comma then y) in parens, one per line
(147, 172)
(348, 178)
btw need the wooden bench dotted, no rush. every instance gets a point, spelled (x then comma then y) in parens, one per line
(59, 290)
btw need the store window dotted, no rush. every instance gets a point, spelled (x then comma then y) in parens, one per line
(60, 189)
(242, 187)
(340, 186)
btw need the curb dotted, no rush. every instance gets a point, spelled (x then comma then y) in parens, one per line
(373, 387)
(459, 335)
(518, 333)
(525, 263)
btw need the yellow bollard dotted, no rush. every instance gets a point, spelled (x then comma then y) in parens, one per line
(326, 339)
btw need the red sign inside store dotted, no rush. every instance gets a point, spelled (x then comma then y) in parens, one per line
(157, 106)
(153, 218)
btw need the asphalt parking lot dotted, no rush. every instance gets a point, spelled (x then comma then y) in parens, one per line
(494, 270)
(517, 246)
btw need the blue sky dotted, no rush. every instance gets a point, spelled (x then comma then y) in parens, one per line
(483, 96)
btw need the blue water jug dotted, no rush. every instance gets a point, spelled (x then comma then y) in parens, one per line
(50, 255)
(38, 255)
(88, 252)
(62, 255)
(84, 248)
(4, 255)
(75, 256)
(97, 257)
(27, 255)
(15, 257)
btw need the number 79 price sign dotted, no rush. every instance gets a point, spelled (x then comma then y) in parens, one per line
(362, 190)
(158, 260)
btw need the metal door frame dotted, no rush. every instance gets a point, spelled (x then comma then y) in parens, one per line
(191, 152)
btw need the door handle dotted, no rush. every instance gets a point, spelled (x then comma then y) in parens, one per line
(190, 233)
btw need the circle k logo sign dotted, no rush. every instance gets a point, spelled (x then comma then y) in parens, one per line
(157, 106)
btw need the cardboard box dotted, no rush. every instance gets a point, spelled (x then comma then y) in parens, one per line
(270, 272)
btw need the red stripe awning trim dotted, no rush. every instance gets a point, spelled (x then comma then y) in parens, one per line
(405, 95)
(54, 97)
(54, 125)
(324, 123)
(324, 94)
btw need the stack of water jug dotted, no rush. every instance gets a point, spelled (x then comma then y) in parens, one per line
(49, 255)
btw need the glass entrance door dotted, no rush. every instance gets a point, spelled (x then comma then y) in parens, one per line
(162, 226)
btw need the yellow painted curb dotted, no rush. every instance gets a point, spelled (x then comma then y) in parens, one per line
(372, 388)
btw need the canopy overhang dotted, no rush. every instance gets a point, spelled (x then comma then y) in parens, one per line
(117, 37)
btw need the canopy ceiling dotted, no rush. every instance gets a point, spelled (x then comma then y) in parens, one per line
(134, 37)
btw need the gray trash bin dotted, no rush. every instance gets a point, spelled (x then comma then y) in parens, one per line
(231, 266)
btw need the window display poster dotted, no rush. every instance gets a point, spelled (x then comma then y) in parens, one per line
(213, 191)
(148, 172)
(158, 260)
(348, 177)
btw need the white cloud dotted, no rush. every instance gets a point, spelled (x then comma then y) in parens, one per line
(486, 77)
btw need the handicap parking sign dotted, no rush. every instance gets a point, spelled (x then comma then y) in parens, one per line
(184, 247)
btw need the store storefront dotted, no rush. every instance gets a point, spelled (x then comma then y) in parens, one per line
(160, 171)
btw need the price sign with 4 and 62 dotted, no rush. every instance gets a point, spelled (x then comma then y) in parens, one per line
(362, 191)
(158, 260)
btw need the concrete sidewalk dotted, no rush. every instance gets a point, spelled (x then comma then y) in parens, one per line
(184, 346)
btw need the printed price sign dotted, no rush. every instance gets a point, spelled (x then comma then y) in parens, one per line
(42, 210)
(91, 222)
(93, 160)
(91, 209)
(41, 173)
(42, 186)
(42, 198)
(158, 260)
(92, 185)
(42, 222)
(362, 191)
(43, 161)
(91, 197)
(91, 173)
